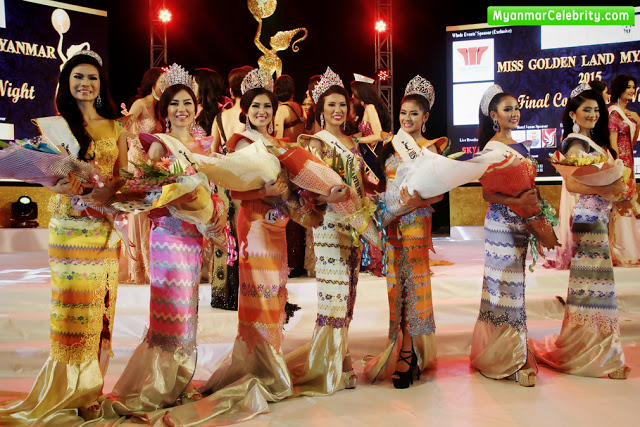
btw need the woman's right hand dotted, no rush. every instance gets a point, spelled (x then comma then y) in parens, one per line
(339, 194)
(274, 188)
(70, 185)
(529, 197)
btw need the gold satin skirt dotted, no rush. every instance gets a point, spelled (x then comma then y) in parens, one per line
(384, 365)
(498, 351)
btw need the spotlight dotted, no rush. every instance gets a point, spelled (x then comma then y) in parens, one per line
(24, 213)
(381, 26)
(383, 75)
(164, 15)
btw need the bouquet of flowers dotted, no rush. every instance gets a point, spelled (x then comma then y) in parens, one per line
(312, 174)
(38, 161)
(513, 176)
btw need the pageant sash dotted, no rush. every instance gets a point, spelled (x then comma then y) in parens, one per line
(588, 140)
(178, 149)
(627, 120)
(346, 154)
(504, 148)
(56, 130)
(406, 146)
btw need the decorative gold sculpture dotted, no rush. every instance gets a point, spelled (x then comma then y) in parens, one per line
(280, 41)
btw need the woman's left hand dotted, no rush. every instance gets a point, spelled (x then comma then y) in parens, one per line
(217, 225)
(99, 195)
(410, 200)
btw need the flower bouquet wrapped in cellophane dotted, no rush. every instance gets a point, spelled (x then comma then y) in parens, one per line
(310, 173)
(512, 177)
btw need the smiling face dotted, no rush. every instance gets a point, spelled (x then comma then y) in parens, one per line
(181, 110)
(84, 82)
(507, 114)
(629, 92)
(587, 114)
(412, 117)
(335, 109)
(261, 111)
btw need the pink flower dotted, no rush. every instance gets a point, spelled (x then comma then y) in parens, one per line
(164, 163)
(189, 170)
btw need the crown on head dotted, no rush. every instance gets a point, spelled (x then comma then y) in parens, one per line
(176, 75)
(328, 79)
(257, 78)
(89, 53)
(421, 86)
(487, 96)
(364, 79)
(579, 89)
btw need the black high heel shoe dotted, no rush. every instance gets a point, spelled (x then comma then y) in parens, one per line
(406, 378)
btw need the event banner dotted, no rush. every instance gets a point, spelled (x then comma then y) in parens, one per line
(36, 38)
(540, 66)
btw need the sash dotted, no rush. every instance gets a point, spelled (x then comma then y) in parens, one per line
(56, 129)
(406, 146)
(627, 120)
(588, 140)
(182, 154)
(346, 155)
(504, 148)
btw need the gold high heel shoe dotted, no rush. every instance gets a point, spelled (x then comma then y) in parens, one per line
(527, 377)
(350, 379)
(620, 373)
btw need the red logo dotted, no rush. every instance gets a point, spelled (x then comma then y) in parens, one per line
(549, 138)
(472, 55)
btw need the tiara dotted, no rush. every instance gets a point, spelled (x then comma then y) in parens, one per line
(579, 89)
(176, 75)
(487, 96)
(421, 86)
(89, 53)
(257, 78)
(363, 79)
(328, 79)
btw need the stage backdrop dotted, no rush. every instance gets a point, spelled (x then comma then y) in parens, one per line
(540, 66)
(36, 38)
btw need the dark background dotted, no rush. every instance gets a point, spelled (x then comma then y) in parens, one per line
(219, 34)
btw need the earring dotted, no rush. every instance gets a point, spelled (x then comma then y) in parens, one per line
(576, 127)
(270, 128)
(424, 127)
(167, 128)
(98, 101)
(321, 122)
(247, 123)
(344, 127)
(496, 127)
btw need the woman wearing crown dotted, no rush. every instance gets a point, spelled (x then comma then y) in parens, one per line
(324, 366)
(160, 369)
(409, 277)
(84, 264)
(499, 340)
(589, 341)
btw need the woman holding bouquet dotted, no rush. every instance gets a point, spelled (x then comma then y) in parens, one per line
(499, 341)
(624, 126)
(409, 277)
(589, 341)
(84, 265)
(160, 369)
(324, 366)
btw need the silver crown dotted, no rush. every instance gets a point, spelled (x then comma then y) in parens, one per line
(89, 53)
(579, 89)
(421, 86)
(328, 79)
(257, 78)
(364, 79)
(488, 95)
(176, 75)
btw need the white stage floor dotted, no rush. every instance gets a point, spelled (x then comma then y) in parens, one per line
(451, 394)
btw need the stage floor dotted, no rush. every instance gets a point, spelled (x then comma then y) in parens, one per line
(451, 394)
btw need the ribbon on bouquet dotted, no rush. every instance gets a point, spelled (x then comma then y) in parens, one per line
(367, 210)
(232, 253)
(381, 207)
(550, 214)
(366, 254)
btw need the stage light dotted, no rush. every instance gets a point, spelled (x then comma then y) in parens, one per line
(383, 75)
(381, 26)
(164, 15)
(24, 213)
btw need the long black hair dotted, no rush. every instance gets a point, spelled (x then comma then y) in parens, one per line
(167, 96)
(284, 88)
(247, 100)
(67, 105)
(368, 94)
(600, 132)
(620, 84)
(388, 149)
(485, 124)
(332, 89)
(311, 117)
(210, 91)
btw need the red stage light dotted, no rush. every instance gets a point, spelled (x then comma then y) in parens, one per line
(164, 15)
(383, 75)
(381, 26)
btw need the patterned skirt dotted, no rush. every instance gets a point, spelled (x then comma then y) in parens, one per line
(498, 344)
(162, 366)
(84, 280)
(409, 292)
(589, 341)
(317, 368)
